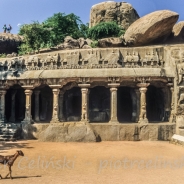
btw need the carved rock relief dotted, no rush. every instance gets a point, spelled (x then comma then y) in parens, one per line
(179, 61)
(180, 105)
(132, 59)
(89, 58)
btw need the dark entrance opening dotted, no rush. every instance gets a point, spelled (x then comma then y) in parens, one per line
(155, 104)
(72, 104)
(124, 104)
(99, 104)
(15, 104)
(45, 103)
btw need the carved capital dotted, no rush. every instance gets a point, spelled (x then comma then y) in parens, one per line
(113, 79)
(143, 90)
(113, 89)
(114, 85)
(55, 86)
(55, 91)
(28, 87)
(85, 91)
(143, 85)
(143, 79)
(28, 92)
(84, 80)
(84, 86)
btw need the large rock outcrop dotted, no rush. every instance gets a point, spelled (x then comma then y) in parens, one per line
(151, 28)
(68, 132)
(71, 43)
(177, 33)
(110, 42)
(9, 42)
(123, 13)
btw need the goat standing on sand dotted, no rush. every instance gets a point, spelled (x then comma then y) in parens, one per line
(9, 160)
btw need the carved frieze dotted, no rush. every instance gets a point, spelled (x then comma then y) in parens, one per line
(180, 101)
(87, 59)
(132, 59)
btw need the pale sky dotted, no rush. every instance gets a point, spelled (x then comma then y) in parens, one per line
(16, 12)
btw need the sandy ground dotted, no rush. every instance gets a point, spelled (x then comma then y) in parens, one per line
(104, 162)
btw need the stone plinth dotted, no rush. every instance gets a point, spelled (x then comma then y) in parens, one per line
(92, 132)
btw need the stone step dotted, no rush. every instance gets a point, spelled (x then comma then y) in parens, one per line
(7, 135)
(8, 131)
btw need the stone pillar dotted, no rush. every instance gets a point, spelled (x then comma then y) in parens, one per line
(143, 115)
(55, 118)
(85, 102)
(167, 102)
(113, 91)
(12, 116)
(2, 106)
(172, 116)
(134, 104)
(28, 116)
(37, 106)
(61, 98)
(137, 92)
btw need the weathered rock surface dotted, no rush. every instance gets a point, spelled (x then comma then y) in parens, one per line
(123, 13)
(110, 42)
(68, 132)
(71, 43)
(82, 42)
(9, 42)
(153, 27)
(177, 139)
(13, 54)
(177, 33)
(86, 47)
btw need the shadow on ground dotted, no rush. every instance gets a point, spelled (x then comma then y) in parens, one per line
(5, 146)
(19, 177)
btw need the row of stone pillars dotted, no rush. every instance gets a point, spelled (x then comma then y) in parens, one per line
(58, 95)
(140, 102)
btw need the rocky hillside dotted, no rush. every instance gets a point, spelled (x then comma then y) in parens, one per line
(9, 42)
(121, 12)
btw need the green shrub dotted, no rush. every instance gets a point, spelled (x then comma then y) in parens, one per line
(3, 55)
(51, 32)
(104, 30)
(94, 44)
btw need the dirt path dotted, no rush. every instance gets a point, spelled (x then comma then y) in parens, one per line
(94, 163)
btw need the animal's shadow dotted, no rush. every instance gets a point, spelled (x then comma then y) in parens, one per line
(19, 177)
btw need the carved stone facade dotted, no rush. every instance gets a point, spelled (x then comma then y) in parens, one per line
(84, 59)
(109, 87)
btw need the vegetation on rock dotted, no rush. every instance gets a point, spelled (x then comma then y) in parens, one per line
(104, 30)
(3, 55)
(51, 32)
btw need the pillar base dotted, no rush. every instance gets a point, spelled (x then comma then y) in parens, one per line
(2, 121)
(27, 121)
(84, 120)
(62, 120)
(172, 119)
(37, 120)
(114, 122)
(143, 121)
(25, 130)
(54, 121)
